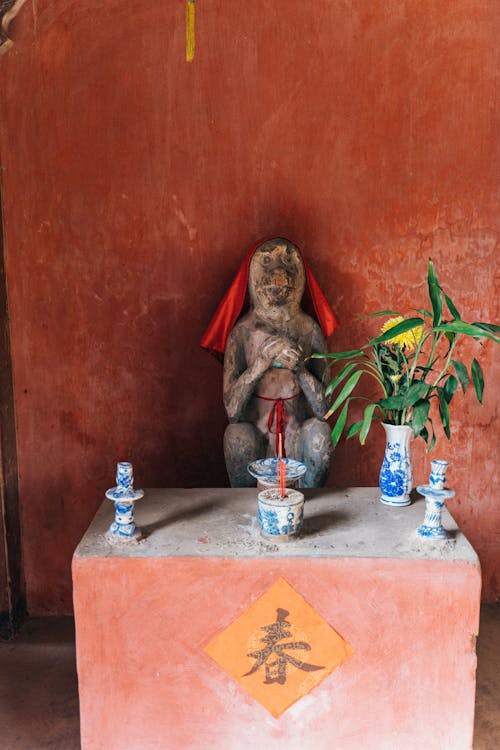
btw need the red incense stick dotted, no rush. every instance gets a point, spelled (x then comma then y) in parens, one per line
(282, 469)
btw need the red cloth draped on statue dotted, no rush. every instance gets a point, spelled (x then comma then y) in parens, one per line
(231, 306)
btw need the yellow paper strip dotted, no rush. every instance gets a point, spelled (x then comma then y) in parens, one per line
(189, 30)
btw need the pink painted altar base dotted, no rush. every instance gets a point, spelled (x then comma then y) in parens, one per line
(142, 623)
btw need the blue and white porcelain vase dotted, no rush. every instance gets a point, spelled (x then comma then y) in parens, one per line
(280, 519)
(395, 475)
(123, 528)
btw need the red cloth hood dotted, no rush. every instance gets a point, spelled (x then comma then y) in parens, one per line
(232, 304)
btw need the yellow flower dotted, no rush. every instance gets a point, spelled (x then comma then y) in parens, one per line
(408, 340)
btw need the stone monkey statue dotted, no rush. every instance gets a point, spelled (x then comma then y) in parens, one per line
(270, 388)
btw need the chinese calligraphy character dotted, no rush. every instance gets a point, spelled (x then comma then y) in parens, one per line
(276, 670)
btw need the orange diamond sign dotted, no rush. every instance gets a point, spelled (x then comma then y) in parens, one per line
(279, 649)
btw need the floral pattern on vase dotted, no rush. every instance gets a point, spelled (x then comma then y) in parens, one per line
(396, 475)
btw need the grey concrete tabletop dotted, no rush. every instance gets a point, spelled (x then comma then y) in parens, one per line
(211, 522)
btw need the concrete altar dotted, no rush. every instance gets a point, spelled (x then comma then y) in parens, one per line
(145, 613)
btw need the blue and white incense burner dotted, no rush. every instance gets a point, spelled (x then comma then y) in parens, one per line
(435, 494)
(123, 528)
(280, 519)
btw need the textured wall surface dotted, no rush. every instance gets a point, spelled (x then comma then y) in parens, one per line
(133, 182)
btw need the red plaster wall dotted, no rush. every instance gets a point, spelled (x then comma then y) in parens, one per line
(133, 182)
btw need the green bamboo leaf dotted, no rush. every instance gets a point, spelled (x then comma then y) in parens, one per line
(433, 438)
(419, 417)
(353, 429)
(423, 371)
(405, 325)
(477, 379)
(393, 403)
(450, 337)
(450, 387)
(425, 313)
(344, 372)
(415, 392)
(406, 399)
(338, 355)
(451, 307)
(379, 314)
(444, 413)
(491, 327)
(467, 329)
(344, 393)
(424, 433)
(367, 420)
(462, 373)
(434, 294)
(339, 425)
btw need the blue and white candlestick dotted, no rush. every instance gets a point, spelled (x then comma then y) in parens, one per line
(123, 528)
(437, 478)
(435, 494)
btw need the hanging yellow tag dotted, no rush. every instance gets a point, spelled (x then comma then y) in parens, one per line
(190, 30)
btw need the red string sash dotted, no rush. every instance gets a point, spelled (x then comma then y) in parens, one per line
(279, 416)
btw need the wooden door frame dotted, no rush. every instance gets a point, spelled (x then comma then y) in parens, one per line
(13, 604)
(10, 528)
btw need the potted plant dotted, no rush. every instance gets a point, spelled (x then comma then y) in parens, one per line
(413, 362)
